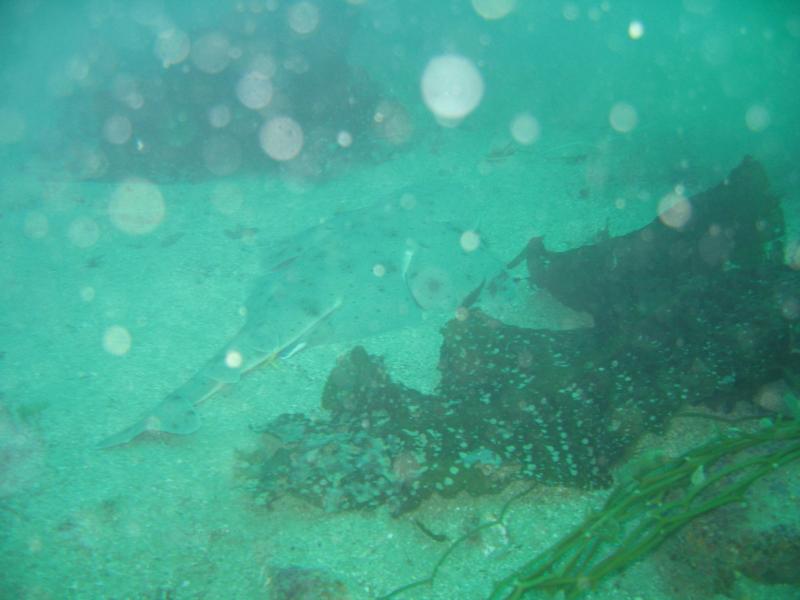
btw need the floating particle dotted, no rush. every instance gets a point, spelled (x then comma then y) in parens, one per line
(254, 90)
(452, 87)
(525, 128)
(635, 30)
(117, 129)
(470, 240)
(136, 207)
(219, 116)
(222, 154)
(211, 53)
(623, 117)
(674, 210)
(281, 138)
(493, 9)
(117, 340)
(172, 47)
(303, 17)
(757, 118)
(83, 232)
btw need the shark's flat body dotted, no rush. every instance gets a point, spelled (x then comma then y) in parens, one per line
(357, 274)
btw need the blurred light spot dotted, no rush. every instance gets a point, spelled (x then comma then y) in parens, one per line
(254, 90)
(623, 117)
(87, 293)
(234, 359)
(222, 154)
(674, 210)
(117, 129)
(493, 9)
(571, 11)
(635, 30)
(303, 17)
(470, 240)
(757, 118)
(219, 116)
(83, 232)
(378, 270)
(116, 340)
(452, 87)
(281, 138)
(210, 53)
(525, 128)
(172, 47)
(12, 126)
(36, 225)
(344, 139)
(462, 313)
(227, 198)
(136, 207)
(619, 203)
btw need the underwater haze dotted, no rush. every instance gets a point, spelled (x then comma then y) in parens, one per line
(354, 299)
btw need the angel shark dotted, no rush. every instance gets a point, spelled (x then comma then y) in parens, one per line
(357, 274)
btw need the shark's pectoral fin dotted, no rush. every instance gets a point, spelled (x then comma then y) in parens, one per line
(173, 415)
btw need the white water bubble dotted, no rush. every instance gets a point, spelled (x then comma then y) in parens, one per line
(117, 340)
(211, 53)
(117, 129)
(303, 17)
(281, 138)
(219, 116)
(493, 9)
(83, 232)
(452, 87)
(757, 118)
(172, 47)
(136, 206)
(525, 128)
(623, 117)
(254, 90)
